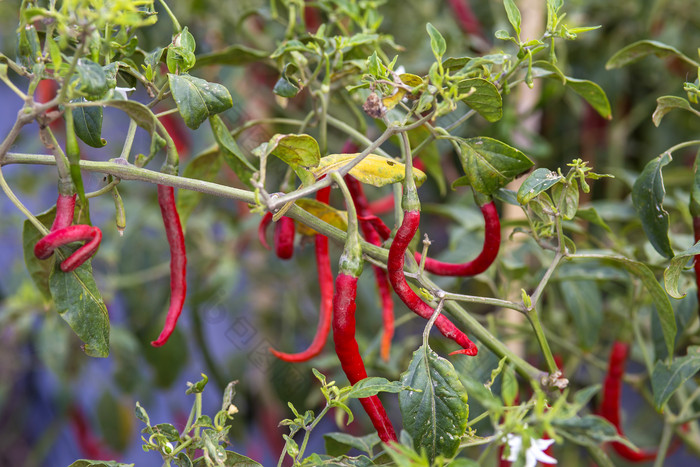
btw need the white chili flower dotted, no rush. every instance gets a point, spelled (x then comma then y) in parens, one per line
(535, 453)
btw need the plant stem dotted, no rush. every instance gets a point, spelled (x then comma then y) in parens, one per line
(534, 319)
(664, 444)
(537, 294)
(173, 18)
(105, 189)
(485, 301)
(129, 141)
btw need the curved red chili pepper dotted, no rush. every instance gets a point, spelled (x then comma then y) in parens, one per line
(371, 234)
(45, 247)
(395, 265)
(91, 446)
(489, 251)
(284, 237)
(349, 354)
(262, 229)
(65, 209)
(610, 402)
(178, 261)
(325, 281)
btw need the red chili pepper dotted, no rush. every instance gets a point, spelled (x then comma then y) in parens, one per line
(489, 252)
(178, 132)
(349, 354)
(395, 265)
(284, 237)
(375, 238)
(610, 402)
(262, 229)
(65, 209)
(466, 18)
(178, 261)
(377, 224)
(325, 281)
(344, 319)
(45, 247)
(382, 205)
(91, 446)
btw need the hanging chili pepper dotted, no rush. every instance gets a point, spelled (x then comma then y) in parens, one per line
(466, 19)
(45, 247)
(382, 205)
(325, 282)
(489, 251)
(65, 210)
(395, 263)
(373, 237)
(178, 261)
(344, 319)
(610, 402)
(284, 237)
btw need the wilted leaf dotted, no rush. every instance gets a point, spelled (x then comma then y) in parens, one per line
(374, 170)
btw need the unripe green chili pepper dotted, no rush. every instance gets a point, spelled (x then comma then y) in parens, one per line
(344, 320)
(119, 212)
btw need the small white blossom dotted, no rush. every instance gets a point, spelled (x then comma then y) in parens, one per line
(535, 453)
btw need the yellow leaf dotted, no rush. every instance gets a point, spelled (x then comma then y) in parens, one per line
(374, 170)
(399, 93)
(334, 217)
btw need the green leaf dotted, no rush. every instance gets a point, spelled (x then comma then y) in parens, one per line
(91, 463)
(513, 15)
(585, 305)
(285, 88)
(675, 267)
(338, 444)
(233, 156)
(593, 94)
(568, 199)
(88, 124)
(141, 114)
(647, 197)
(92, 79)
(234, 55)
(491, 164)
(662, 304)
(485, 99)
(39, 270)
(436, 417)
(665, 104)
(538, 182)
(666, 379)
(152, 62)
(437, 42)
(203, 167)
(197, 99)
(79, 302)
(141, 414)
(372, 386)
(589, 429)
(180, 57)
(591, 215)
(641, 49)
(233, 459)
(295, 150)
